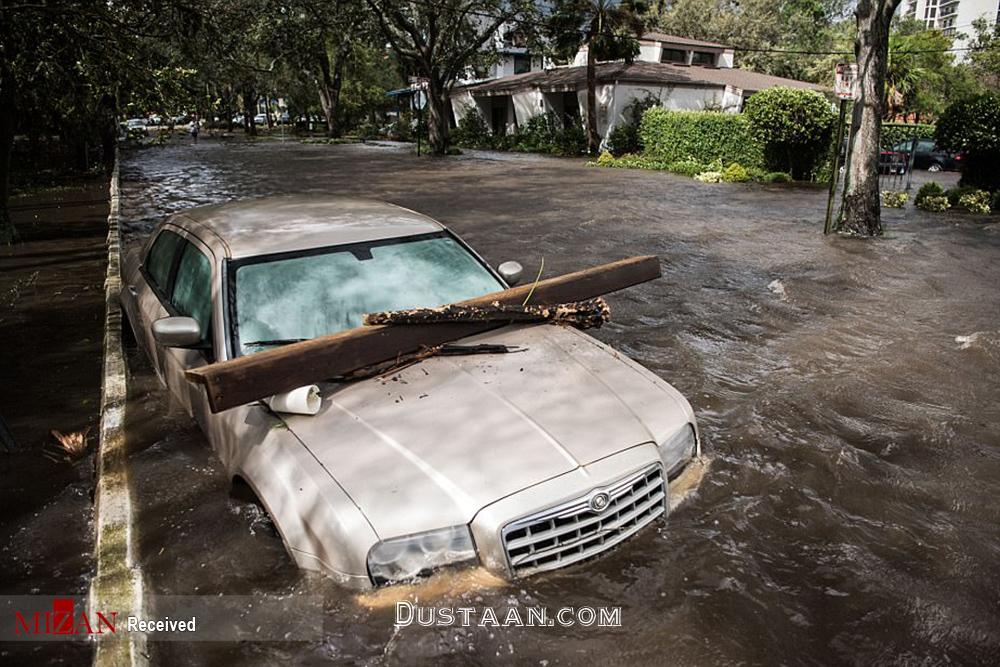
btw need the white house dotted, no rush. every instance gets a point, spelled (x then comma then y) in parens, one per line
(679, 73)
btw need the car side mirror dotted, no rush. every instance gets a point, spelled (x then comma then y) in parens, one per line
(510, 272)
(177, 331)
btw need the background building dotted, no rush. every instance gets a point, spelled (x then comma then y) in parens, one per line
(953, 17)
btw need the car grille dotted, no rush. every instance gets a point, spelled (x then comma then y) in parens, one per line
(572, 531)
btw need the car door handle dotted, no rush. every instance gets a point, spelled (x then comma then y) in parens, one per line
(132, 290)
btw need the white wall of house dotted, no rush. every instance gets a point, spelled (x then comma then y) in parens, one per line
(528, 103)
(678, 98)
(462, 102)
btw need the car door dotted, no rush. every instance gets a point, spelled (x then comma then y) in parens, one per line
(191, 295)
(149, 289)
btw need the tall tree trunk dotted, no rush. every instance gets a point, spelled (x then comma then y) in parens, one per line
(438, 135)
(249, 110)
(862, 214)
(593, 138)
(330, 84)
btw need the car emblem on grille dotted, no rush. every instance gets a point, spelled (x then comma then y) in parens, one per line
(599, 501)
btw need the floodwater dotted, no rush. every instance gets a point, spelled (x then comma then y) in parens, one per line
(847, 393)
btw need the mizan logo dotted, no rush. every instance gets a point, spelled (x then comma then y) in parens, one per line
(63, 619)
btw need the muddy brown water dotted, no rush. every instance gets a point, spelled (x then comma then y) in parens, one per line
(846, 391)
(51, 336)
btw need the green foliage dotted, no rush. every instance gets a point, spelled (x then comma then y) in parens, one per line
(972, 127)
(548, 133)
(956, 193)
(995, 203)
(927, 190)
(735, 173)
(703, 136)
(605, 159)
(975, 202)
(919, 68)
(625, 138)
(709, 177)
(687, 167)
(894, 133)
(777, 177)
(934, 203)
(794, 126)
(472, 131)
(894, 199)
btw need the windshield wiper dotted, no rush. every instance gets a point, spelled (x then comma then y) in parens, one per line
(276, 341)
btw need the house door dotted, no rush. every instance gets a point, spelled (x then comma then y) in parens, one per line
(498, 119)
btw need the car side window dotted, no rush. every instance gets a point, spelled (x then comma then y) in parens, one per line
(192, 295)
(160, 259)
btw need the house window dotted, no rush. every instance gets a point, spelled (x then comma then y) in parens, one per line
(673, 56)
(703, 59)
(522, 64)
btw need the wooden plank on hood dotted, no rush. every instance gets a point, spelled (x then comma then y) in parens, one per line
(253, 377)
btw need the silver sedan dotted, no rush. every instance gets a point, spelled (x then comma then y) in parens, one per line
(522, 462)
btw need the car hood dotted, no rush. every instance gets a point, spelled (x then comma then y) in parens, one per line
(432, 444)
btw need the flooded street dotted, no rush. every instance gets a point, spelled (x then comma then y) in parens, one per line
(847, 394)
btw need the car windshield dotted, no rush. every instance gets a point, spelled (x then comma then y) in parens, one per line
(288, 298)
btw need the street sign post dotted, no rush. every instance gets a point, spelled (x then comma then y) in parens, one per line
(845, 87)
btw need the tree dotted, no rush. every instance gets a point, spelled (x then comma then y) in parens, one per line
(984, 57)
(862, 213)
(607, 29)
(794, 126)
(972, 127)
(785, 26)
(437, 42)
(918, 70)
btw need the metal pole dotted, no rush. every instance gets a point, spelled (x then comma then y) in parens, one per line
(909, 167)
(419, 116)
(828, 223)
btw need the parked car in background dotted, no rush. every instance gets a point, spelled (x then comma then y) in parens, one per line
(260, 119)
(521, 462)
(135, 123)
(928, 156)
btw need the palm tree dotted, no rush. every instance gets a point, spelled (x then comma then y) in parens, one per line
(608, 29)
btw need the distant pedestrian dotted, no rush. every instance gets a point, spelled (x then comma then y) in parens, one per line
(193, 129)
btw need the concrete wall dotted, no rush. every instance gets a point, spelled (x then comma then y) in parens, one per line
(528, 103)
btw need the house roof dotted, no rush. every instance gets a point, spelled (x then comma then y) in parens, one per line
(684, 41)
(571, 78)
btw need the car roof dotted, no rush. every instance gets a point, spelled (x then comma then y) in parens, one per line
(301, 222)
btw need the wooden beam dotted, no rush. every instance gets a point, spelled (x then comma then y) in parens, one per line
(253, 377)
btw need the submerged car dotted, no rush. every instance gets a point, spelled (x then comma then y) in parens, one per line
(525, 461)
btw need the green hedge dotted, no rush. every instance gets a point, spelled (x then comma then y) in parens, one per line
(705, 136)
(893, 133)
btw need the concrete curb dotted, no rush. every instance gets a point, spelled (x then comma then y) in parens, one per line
(117, 584)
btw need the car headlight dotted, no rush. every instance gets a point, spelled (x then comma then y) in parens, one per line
(407, 557)
(679, 448)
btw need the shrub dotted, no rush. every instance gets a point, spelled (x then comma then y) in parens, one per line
(995, 204)
(975, 202)
(777, 177)
(894, 199)
(703, 136)
(794, 126)
(625, 137)
(548, 133)
(972, 127)
(927, 190)
(955, 194)
(605, 159)
(709, 177)
(735, 173)
(472, 131)
(935, 203)
(687, 167)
